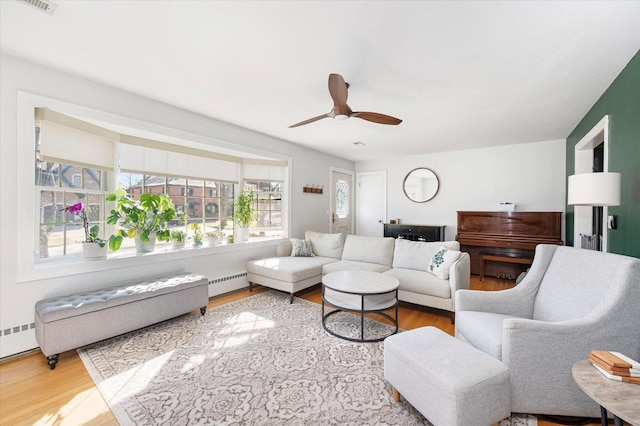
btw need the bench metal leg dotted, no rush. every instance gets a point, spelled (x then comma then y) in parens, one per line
(203, 310)
(250, 286)
(52, 360)
(291, 299)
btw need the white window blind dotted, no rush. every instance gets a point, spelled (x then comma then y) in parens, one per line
(269, 170)
(141, 155)
(64, 139)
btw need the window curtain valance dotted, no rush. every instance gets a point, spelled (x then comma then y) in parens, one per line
(140, 155)
(266, 170)
(65, 139)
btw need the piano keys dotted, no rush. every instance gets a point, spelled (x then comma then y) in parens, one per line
(506, 234)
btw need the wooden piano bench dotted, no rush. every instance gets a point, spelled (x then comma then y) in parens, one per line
(497, 258)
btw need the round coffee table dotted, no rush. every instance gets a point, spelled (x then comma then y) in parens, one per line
(360, 292)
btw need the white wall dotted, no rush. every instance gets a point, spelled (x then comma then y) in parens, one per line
(17, 299)
(529, 175)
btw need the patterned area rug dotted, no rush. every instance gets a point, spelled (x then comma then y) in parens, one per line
(257, 361)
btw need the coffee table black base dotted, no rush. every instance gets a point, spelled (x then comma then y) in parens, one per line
(393, 320)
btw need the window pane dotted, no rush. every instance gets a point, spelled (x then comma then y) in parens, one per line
(342, 198)
(226, 190)
(154, 184)
(212, 189)
(93, 179)
(212, 208)
(47, 174)
(226, 211)
(276, 186)
(70, 176)
(252, 186)
(131, 182)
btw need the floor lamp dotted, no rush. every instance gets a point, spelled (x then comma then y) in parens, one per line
(598, 190)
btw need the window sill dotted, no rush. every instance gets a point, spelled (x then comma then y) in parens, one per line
(124, 259)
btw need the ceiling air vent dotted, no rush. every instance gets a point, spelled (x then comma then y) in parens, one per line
(45, 6)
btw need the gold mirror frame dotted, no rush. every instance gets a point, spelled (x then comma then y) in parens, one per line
(421, 185)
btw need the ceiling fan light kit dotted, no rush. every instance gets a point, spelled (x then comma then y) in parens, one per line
(338, 89)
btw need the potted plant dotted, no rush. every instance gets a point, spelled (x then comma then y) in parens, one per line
(178, 237)
(214, 237)
(243, 214)
(93, 247)
(197, 233)
(145, 219)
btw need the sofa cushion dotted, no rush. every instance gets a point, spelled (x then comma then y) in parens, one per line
(441, 262)
(369, 249)
(352, 265)
(301, 248)
(418, 254)
(290, 269)
(326, 245)
(483, 330)
(421, 282)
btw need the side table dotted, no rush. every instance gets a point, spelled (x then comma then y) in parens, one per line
(620, 398)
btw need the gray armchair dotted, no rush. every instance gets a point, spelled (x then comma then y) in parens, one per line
(571, 301)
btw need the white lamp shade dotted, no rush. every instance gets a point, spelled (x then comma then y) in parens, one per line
(594, 189)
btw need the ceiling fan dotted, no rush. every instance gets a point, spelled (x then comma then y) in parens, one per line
(341, 111)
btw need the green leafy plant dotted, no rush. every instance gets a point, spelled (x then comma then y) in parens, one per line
(216, 234)
(197, 233)
(145, 218)
(243, 213)
(178, 236)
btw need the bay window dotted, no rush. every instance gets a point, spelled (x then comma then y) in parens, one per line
(76, 161)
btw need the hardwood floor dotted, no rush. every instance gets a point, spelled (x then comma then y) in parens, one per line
(32, 394)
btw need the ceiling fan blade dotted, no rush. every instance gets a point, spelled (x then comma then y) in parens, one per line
(377, 118)
(338, 90)
(311, 120)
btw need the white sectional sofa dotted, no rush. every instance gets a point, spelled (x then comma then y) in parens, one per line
(408, 261)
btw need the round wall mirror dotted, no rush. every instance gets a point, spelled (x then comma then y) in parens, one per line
(420, 185)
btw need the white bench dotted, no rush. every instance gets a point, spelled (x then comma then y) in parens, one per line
(449, 381)
(69, 322)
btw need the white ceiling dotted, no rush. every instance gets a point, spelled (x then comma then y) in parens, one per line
(460, 74)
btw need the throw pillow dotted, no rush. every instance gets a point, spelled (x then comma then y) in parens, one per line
(442, 261)
(301, 248)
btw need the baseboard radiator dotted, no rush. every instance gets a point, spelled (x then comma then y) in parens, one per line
(228, 283)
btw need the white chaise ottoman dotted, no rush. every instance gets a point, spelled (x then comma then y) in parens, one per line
(447, 380)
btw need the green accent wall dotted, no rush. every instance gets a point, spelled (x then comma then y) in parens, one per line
(621, 101)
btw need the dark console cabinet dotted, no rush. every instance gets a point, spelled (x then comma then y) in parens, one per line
(414, 232)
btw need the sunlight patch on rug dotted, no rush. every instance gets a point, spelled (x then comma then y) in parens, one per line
(258, 361)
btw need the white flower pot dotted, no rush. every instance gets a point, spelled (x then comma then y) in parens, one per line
(145, 247)
(213, 241)
(93, 251)
(241, 235)
(178, 244)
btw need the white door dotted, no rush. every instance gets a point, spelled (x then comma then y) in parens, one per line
(371, 203)
(341, 202)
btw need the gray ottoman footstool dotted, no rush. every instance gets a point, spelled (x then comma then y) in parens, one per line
(447, 380)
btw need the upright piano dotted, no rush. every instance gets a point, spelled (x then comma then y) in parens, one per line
(504, 234)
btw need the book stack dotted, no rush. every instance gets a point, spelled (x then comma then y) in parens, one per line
(616, 366)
